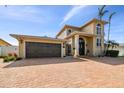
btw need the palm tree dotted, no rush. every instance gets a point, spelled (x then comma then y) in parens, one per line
(109, 21)
(102, 12)
(109, 28)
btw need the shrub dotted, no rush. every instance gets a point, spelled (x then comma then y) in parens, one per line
(9, 58)
(19, 58)
(9, 54)
(15, 55)
(2, 56)
(12, 58)
(112, 53)
(6, 59)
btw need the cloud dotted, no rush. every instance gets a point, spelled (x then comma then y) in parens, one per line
(72, 12)
(23, 13)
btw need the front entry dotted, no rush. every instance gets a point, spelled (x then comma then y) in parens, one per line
(81, 46)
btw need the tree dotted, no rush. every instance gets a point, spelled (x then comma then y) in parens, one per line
(102, 12)
(112, 44)
(109, 21)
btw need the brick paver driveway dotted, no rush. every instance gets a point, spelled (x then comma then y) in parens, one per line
(66, 72)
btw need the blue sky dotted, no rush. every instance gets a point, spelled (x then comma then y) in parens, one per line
(46, 20)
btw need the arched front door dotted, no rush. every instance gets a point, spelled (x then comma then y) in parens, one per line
(81, 46)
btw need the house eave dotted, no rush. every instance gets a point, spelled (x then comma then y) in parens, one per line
(102, 21)
(66, 26)
(23, 37)
(80, 33)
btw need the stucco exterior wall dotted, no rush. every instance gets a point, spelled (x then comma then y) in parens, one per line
(73, 45)
(90, 45)
(76, 51)
(71, 41)
(22, 50)
(62, 35)
(0, 51)
(89, 29)
(98, 50)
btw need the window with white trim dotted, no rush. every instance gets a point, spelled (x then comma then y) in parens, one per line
(98, 42)
(98, 29)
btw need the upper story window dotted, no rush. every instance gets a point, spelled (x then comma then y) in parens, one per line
(98, 29)
(98, 42)
(69, 31)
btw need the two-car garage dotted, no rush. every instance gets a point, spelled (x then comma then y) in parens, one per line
(41, 50)
(39, 47)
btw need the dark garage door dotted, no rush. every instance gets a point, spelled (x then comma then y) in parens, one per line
(39, 50)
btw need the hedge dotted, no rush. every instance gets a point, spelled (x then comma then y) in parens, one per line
(112, 53)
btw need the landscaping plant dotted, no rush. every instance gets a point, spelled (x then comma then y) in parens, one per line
(11, 57)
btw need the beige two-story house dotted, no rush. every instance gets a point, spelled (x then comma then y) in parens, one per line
(87, 39)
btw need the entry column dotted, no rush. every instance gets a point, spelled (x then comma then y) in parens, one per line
(76, 54)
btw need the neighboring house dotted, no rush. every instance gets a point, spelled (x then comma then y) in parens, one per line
(6, 48)
(4, 43)
(70, 41)
(121, 49)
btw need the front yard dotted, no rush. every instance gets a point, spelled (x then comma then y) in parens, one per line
(66, 72)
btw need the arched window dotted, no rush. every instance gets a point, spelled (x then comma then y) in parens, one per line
(98, 29)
